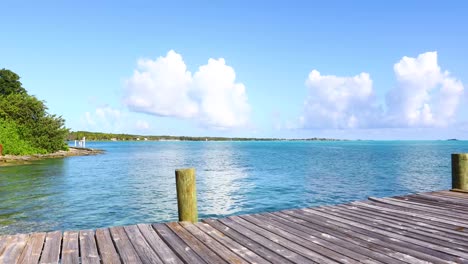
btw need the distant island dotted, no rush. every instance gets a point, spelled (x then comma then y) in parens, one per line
(99, 136)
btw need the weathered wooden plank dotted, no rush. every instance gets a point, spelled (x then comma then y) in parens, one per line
(434, 250)
(432, 200)
(448, 208)
(3, 241)
(312, 243)
(106, 247)
(164, 252)
(51, 251)
(448, 200)
(397, 221)
(332, 244)
(33, 249)
(422, 207)
(221, 250)
(372, 237)
(396, 229)
(415, 213)
(440, 216)
(441, 205)
(351, 235)
(411, 214)
(427, 204)
(179, 246)
(14, 246)
(460, 195)
(412, 218)
(309, 249)
(124, 246)
(455, 199)
(6, 242)
(144, 250)
(203, 251)
(407, 224)
(262, 250)
(88, 247)
(272, 242)
(339, 238)
(70, 248)
(234, 246)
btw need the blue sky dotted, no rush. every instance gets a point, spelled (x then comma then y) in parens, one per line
(245, 69)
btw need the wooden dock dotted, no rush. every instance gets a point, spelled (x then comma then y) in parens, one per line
(420, 228)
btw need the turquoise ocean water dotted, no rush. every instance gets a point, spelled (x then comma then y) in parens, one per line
(134, 182)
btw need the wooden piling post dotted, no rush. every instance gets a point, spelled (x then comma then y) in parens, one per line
(460, 172)
(186, 195)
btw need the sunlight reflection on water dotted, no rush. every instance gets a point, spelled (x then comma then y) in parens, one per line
(134, 182)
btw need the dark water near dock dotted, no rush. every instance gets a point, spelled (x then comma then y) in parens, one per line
(134, 181)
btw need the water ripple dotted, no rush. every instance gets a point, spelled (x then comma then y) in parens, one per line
(134, 181)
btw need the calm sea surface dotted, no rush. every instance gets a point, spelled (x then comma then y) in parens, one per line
(134, 182)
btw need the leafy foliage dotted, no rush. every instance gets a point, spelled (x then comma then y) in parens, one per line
(11, 141)
(32, 124)
(9, 83)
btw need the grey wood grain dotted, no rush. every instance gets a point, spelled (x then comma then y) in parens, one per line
(234, 246)
(70, 248)
(144, 250)
(224, 252)
(124, 247)
(14, 246)
(88, 248)
(33, 249)
(340, 238)
(317, 241)
(430, 249)
(271, 241)
(394, 248)
(203, 251)
(160, 247)
(268, 253)
(51, 251)
(184, 251)
(106, 247)
(301, 246)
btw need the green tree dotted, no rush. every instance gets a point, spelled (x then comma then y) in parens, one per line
(44, 132)
(12, 142)
(22, 108)
(9, 83)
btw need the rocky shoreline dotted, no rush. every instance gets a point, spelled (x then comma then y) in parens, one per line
(9, 160)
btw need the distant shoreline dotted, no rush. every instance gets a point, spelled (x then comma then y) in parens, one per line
(223, 140)
(11, 160)
(99, 136)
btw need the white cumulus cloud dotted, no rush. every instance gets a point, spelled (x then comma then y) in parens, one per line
(221, 101)
(339, 102)
(161, 87)
(164, 87)
(425, 96)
